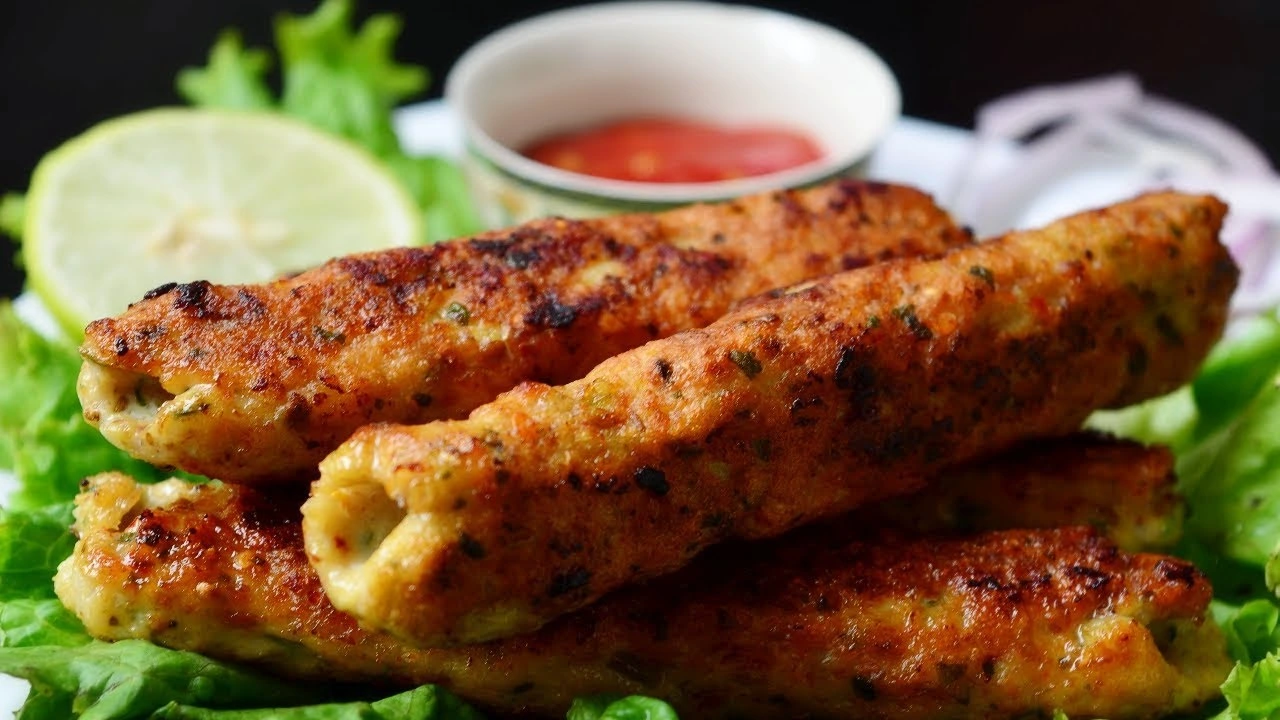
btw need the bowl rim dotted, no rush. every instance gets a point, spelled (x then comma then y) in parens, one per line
(551, 179)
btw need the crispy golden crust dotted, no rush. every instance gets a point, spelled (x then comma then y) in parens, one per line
(257, 383)
(1125, 490)
(832, 394)
(837, 621)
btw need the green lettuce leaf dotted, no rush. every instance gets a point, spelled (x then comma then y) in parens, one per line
(612, 707)
(235, 78)
(133, 678)
(1169, 420)
(1253, 691)
(1272, 572)
(1235, 498)
(129, 679)
(424, 703)
(44, 440)
(342, 79)
(1222, 428)
(32, 543)
(35, 623)
(440, 187)
(1235, 372)
(1233, 375)
(1230, 472)
(1251, 629)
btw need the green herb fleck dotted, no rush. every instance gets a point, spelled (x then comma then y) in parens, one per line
(330, 335)
(907, 314)
(873, 321)
(458, 313)
(984, 274)
(746, 362)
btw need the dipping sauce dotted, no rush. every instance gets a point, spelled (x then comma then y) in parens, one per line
(669, 150)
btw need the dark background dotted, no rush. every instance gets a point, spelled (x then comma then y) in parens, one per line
(70, 64)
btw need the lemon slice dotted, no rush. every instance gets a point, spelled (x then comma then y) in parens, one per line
(176, 195)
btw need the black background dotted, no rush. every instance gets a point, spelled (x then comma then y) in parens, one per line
(70, 64)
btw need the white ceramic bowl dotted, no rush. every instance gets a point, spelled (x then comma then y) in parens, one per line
(725, 64)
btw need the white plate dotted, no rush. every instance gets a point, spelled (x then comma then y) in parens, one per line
(917, 152)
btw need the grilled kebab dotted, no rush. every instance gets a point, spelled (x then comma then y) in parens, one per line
(799, 406)
(862, 617)
(258, 383)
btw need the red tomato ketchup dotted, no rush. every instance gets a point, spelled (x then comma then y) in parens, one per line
(669, 150)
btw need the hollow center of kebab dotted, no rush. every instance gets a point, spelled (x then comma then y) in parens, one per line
(351, 544)
(113, 395)
(125, 391)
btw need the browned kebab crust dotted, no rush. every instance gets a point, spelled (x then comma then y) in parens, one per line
(1125, 490)
(283, 372)
(850, 619)
(829, 395)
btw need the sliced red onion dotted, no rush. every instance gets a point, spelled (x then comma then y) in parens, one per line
(1164, 143)
(1013, 116)
(1239, 154)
